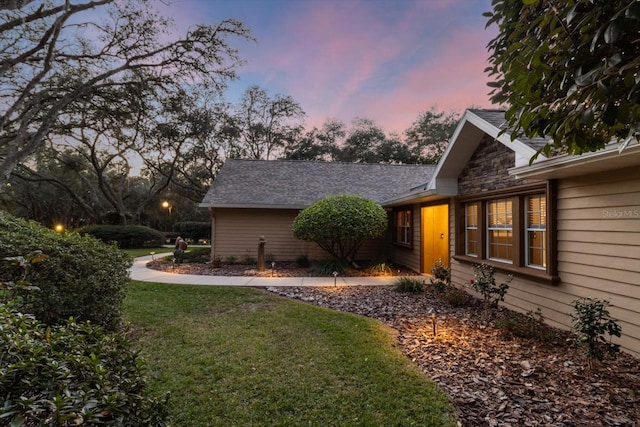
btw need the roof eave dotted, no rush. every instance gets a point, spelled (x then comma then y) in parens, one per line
(564, 166)
(249, 206)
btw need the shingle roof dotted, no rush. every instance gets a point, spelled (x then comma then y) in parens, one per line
(298, 184)
(497, 119)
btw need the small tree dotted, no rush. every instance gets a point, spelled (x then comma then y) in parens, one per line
(591, 323)
(484, 282)
(340, 224)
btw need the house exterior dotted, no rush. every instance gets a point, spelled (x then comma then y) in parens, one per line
(253, 198)
(564, 227)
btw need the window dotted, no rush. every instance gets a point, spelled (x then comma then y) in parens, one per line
(536, 237)
(511, 230)
(403, 227)
(500, 230)
(471, 229)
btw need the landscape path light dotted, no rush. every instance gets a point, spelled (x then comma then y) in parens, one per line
(433, 312)
(335, 278)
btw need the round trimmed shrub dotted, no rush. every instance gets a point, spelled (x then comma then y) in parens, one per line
(71, 374)
(125, 236)
(340, 224)
(81, 277)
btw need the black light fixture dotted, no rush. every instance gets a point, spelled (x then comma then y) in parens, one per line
(433, 312)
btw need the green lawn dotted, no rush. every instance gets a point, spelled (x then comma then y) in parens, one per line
(147, 251)
(244, 357)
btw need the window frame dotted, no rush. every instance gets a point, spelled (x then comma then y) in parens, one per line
(404, 238)
(541, 228)
(500, 227)
(468, 227)
(518, 266)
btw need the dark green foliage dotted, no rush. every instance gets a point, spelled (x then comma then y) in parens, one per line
(592, 323)
(340, 224)
(456, 297)
(125, 236)
(530, 325)
(328, 267)
(195, 255)
(441, 276)
(380, 268)
(71, 374)
(193, 229)
(303, 261)
(484, 283)
(81, 276)
(409, 284)
(567, 70)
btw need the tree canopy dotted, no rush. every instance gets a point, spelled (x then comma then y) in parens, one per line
(54, 57)
(568, 70)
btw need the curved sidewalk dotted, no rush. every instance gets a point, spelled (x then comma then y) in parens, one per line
(139, 271)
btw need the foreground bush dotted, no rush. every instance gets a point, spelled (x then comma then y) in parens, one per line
(126, 236)
(71, 374)
(81, 277)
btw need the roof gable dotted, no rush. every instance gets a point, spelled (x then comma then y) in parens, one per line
(298, 184)
(468, 135)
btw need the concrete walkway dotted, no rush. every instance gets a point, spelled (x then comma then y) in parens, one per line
(139, 271)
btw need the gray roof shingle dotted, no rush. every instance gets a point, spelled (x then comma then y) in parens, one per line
(497, 119)
(298, 184)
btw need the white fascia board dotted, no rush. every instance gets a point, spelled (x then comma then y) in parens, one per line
(568, 165)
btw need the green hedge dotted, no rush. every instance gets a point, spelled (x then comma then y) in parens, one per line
(125, 236)
(81, 276)
(71, 374)
(193, 230)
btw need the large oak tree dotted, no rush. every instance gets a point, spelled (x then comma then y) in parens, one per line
(55, 56)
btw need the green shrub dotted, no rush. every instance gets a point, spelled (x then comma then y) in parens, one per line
(328, 267)
(441, 276)
(530, 325)
(194, 256)
(81, 276)
(193, 230)
(484, 283)
(456, 297)
(231, 259)
(409, 284)
(341, 224)
(303, 261)
(71, 374)
(381, 268)
(592, 323)
(269, 258)
(125, 236)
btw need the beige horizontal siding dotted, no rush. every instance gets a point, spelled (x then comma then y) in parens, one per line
(598, 222)
(236, 232)
(409, 257)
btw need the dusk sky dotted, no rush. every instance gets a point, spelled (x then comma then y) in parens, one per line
(387, 60)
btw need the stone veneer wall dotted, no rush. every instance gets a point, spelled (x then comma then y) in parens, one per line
(487, 169)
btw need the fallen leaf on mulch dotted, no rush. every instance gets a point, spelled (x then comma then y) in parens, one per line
(493, 381)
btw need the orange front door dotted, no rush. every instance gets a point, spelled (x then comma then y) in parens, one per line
(434, 236)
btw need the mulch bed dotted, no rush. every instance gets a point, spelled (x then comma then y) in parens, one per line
(492, 380)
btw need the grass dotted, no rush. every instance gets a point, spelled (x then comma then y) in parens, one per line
(147, 251)
(242, 357)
